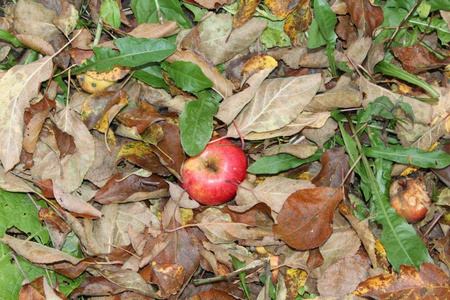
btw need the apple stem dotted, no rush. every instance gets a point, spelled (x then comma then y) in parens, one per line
(240, 135)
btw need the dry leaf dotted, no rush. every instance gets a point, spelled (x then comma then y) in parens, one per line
(365, 16)
(305, 119)
(216, 42)
(429, 282)
(231, 106)
(19, 85)
(74, 204)
(276, 103)
(281, 8)
(332, 283)
(37, 253)
(305, 220)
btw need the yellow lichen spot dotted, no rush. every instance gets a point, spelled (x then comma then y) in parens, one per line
(187, 215)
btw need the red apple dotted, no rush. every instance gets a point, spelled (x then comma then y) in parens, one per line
(212, 177)
(410, 199)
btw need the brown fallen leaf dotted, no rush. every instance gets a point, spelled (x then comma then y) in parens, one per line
(21, 84)
(365, 16)
(305, 220)
(429, 282)
(417, 58)
(37, 253)
(335, 166)
(39, 289)
(332, 283)
(218, 45)
(231, 106)
(276, 103)
(154, 30)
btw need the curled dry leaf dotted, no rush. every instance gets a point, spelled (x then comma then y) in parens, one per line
(122, 187)
(305, 220)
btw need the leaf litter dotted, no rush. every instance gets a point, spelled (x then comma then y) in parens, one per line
(329, 115)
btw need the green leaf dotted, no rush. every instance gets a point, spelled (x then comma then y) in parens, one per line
(394, 71)
(134, 52)
(274, 35)
(326, 20)
(6, 36)
(410, 155)
(403, 246)
(151, 75)
(238, 264)
(435, 24)
(109, 11)
(315, 38)
(196, 123)
(17, 210)
(151, 11)
(197, 11)
(322, 31)
(382, 107)
(280, 162)
(187, 76)
(438, 4)
(11, 276)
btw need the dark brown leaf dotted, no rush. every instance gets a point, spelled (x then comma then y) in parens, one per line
(122, 186)
(335, 166)
(142, 155)
(418, 58)
(364, 15)
(305, 219)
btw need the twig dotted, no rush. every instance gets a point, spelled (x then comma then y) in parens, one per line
(391, 39)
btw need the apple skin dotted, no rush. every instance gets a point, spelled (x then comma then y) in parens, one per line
(212, 177)
(410, 199)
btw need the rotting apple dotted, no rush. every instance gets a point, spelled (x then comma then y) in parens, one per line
(410, 199)
(212, 177)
